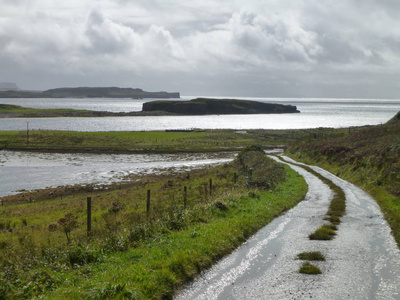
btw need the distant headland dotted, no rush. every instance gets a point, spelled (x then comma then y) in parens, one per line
(208, 106)
(87, 92)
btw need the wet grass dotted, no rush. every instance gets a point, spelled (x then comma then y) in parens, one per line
(132, 253)
(324, 233)
(309, 269)
(316, 255)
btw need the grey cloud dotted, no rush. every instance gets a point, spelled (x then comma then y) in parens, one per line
(106, 36)
(296, 47)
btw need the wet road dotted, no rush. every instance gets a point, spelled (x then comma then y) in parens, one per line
(362, 262)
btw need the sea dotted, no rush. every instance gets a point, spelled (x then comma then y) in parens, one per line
(314, 113)
(28, 171)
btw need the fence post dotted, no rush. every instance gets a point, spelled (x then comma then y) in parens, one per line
(184, 196)
(148, 203)
(234, 178)
(210, 186)
(89, 215)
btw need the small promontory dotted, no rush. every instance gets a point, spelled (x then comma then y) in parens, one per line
(207, 106)
(395, 119)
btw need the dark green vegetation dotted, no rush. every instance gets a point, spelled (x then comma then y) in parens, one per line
(205, 106)
(316, 255)
(89, 92)
(368, 157)
(310, 269)
(132, 253)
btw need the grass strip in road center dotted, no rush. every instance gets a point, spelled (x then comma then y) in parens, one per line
(337, 207)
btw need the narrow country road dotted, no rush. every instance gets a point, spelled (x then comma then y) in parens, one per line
(362, 261)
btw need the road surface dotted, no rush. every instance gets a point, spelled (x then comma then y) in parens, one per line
(362, 262)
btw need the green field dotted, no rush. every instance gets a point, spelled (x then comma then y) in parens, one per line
(154, 141)
(19, 110)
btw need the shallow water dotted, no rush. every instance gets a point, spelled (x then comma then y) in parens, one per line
(31, 170)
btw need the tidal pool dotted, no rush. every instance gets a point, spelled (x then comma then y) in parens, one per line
(32, 170)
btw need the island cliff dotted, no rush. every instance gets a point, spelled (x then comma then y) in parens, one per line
(88, 92)
(206, 106)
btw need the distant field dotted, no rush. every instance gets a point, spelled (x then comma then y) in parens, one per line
(155, 141)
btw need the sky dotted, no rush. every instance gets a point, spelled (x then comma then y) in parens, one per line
(248, 48)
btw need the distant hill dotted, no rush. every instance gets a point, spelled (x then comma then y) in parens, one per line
(89, 92)
(206, 106)
(8, 86)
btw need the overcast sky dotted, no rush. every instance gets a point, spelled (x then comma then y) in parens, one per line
(265, 48)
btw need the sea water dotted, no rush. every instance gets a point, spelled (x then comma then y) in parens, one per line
(314, 113)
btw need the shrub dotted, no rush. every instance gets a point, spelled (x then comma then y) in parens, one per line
(80, 255)
(67, 224)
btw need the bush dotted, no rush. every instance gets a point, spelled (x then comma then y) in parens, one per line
(80, 255)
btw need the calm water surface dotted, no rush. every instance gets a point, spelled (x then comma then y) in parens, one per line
(314, 113)
(31, 170)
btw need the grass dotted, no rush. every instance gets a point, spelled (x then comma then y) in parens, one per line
(316, 255)
(19, 110)
(156, 141)
(136, 255)
(337, 208)
(310, 269)
(369, 158)
(324, 233)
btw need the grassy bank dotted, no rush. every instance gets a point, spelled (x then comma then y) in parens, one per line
(134, 253)
(155, 141)
(370, 158)
(8, 110)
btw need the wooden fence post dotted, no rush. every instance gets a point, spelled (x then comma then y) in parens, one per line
(184, 196)
(89, 215)
(210, 186)
(148, 203)
(234, 178)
